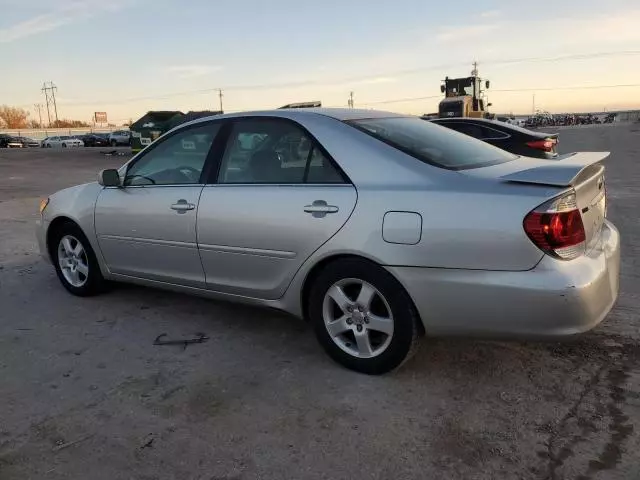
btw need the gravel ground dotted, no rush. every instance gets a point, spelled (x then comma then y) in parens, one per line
(85, 394)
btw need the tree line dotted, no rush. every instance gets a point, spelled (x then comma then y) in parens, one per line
(15, 117)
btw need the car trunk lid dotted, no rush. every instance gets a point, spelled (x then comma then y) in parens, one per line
(583, 172)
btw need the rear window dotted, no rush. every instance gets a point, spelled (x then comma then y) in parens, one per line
(432, 143)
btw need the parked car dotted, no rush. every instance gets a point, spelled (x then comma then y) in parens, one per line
(63, 141)
(120, 137)
(94, 140)
(375, 227)
(9, 141)
(511, 138)
(28, 142)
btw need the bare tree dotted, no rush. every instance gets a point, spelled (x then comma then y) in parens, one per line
(65, 123)
(13, 117)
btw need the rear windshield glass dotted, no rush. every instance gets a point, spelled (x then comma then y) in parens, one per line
(433, 143)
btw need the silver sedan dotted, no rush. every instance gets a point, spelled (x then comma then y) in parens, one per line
(378, 228)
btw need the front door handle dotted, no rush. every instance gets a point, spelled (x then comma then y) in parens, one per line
(182, 206)
(319, 208)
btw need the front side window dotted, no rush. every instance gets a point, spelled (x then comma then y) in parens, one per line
(276, 152)
(177, 160)
(432, 143)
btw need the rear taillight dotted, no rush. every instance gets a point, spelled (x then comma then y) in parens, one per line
(556, 227)
(546, 145)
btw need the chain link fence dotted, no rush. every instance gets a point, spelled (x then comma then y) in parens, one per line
(41, 133)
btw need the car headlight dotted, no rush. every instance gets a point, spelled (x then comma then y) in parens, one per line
(43, 204)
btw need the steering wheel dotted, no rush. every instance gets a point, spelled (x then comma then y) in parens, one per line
(140, 176)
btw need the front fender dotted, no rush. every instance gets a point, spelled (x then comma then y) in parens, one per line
(78, 205)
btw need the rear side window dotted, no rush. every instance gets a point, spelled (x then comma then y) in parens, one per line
(271, 151)
(432, 143)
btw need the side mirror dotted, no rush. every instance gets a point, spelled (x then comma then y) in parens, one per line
(487, 83)
(109, 178)
(442, 88)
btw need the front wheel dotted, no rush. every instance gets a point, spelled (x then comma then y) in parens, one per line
(64, 145)
(75, 262)
(114, 143)
(363, 317)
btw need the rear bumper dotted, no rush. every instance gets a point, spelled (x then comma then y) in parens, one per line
(556, 298)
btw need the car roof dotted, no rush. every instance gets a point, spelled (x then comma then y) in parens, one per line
(509, 127)
(342, 114)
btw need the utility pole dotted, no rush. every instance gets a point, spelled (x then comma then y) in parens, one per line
(533, 108)
(38, 107)
(350, 102)
(50, 97)
(220, 95)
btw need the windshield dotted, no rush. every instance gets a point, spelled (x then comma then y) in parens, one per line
(432, 143)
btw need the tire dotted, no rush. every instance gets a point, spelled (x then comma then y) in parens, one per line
(64, 145)
(383, 351)
(89, 283)
(114, 143)
(48, 145)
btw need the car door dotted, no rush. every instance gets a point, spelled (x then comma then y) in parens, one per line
(276, 198)
(147, 227)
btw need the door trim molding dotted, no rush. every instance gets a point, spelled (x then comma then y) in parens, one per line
(259, 252)
(151, 241)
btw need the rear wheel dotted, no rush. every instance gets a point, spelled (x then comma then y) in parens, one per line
(64, 145)
(75, 262)
(363, 317)
(114, 143)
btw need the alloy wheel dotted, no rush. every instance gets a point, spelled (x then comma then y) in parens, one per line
(73, 261)
(358, 318)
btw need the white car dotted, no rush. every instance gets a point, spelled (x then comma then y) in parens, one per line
(63, 142)
(120, 137)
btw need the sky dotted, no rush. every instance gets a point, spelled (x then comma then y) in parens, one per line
(126, 57)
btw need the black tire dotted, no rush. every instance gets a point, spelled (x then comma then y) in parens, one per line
(95, 282)
(406, 330)
(64, 145)
(48, 145)
(114, 143)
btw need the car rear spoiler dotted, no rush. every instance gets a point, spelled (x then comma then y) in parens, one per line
(561, 172)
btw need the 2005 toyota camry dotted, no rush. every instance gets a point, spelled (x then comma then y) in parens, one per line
(378, 228)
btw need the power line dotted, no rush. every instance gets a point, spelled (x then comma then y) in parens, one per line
(399, 100)
(361, 78)
(531, 89)
(583, 87)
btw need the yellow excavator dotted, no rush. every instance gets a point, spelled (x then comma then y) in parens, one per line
(464, 97)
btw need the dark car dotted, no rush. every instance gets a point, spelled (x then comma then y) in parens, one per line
(28, 142)
(511, 138)
(94, 140)
(10, 141)
(4, 140)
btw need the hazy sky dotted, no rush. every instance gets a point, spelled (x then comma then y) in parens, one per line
(129, 56)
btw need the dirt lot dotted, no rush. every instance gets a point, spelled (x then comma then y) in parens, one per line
(85, 394)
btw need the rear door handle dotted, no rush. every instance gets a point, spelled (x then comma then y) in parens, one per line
(182, 206)
(319, 208)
